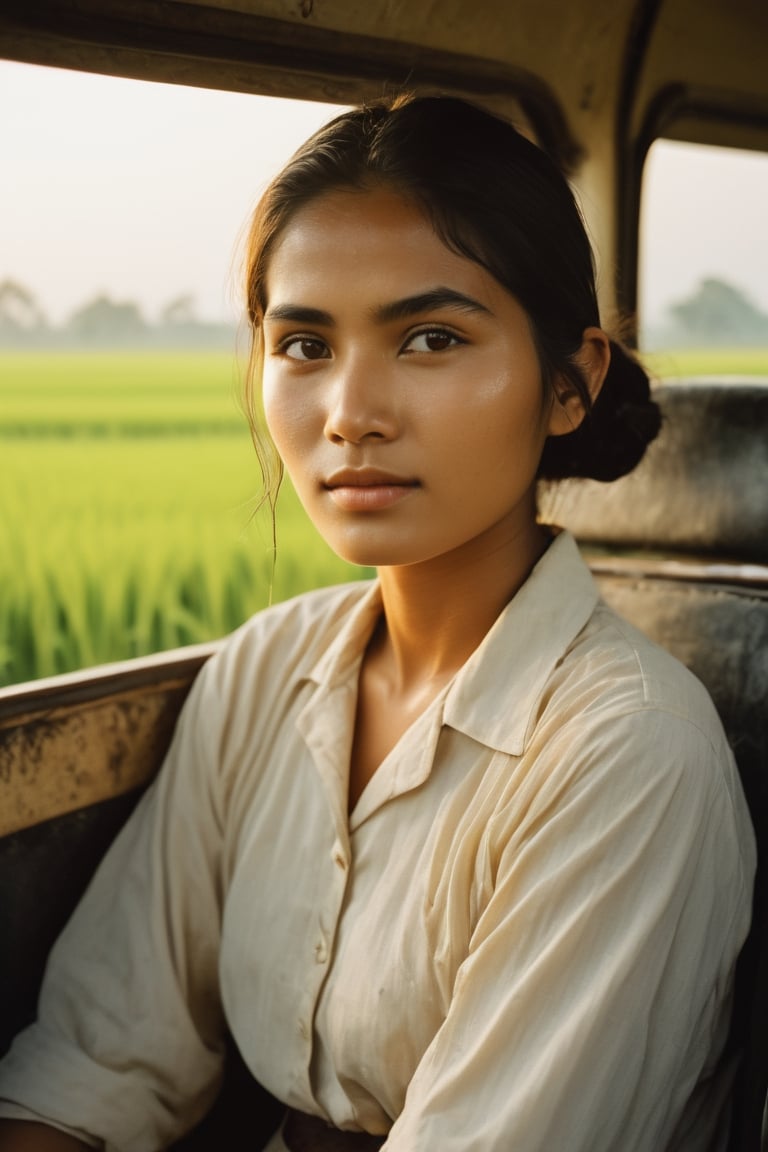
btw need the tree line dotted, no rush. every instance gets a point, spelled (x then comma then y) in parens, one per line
(103, 322)
(716, 313)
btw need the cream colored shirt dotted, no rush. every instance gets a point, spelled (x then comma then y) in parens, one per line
(521, 940)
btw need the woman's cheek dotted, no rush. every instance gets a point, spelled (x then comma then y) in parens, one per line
(287, 417)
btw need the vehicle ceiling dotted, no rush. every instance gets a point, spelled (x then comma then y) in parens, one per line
(596, 77)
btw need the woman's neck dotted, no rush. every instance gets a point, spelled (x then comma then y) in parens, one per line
(437, 612)
(435, 615)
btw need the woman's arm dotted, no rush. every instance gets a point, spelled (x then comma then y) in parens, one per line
(129, 1040)
(26, 1136)
(595, 995)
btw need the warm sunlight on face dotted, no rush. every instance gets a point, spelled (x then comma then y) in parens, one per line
(401, 385)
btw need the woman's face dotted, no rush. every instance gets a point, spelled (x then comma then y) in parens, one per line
(401, 385)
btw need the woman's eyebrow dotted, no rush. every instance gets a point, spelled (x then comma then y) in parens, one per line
(299, 313)
(384, 313)
(425, 301)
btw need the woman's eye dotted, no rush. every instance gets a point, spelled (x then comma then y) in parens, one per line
(431, 340)
(304, 348)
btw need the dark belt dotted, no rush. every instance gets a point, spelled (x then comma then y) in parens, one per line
(302, 1133)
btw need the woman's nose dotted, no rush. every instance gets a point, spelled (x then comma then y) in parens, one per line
(361, 403)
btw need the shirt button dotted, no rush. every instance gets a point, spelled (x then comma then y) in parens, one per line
(303, 1030)
(340, 860)
(321, 952)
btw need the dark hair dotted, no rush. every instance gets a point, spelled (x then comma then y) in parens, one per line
(499, 200)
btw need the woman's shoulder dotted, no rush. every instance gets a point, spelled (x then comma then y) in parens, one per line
(639, 674)
(572, 661)
(322, 610)
(621, 719)
(285, 641)
(617, 691)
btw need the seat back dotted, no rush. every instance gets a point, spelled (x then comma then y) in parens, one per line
(680, 548)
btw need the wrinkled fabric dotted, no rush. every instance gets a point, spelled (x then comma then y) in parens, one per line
(523, 937)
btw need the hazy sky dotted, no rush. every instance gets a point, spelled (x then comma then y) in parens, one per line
(141, 190)
(705, 213)
(136, 189)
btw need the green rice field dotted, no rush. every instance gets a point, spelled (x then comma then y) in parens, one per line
(127, 523)
(723, 362)
(127, 520)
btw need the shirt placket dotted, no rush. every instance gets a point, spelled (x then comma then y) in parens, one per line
(326, 725)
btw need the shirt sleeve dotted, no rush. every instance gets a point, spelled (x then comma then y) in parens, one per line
(596, 990)
(128, 1045)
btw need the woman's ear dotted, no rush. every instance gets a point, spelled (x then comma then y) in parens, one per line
(593, 359)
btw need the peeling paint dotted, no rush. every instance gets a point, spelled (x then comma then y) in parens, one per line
(60, 759)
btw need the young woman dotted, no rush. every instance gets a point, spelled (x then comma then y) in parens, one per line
(459, 857)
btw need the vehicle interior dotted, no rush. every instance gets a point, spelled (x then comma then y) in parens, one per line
(680, 547)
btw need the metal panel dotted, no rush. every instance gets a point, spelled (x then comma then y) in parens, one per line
(700, 488)
(77, 740)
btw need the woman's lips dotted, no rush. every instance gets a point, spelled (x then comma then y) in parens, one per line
(368, 490)
(369, 497)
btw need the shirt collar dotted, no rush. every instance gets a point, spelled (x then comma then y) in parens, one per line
(344, 653)
(493, 697)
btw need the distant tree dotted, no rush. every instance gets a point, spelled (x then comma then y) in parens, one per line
(179, 312)
(720, 313)
(105, 321)
(21, 318)
(180, 327)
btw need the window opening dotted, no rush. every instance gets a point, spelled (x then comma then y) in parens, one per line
(128, 475)
(703, 299)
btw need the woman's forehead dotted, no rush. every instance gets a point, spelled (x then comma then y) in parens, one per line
(376, 235)
(379, 206)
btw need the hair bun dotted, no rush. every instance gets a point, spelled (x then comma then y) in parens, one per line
(612, 438)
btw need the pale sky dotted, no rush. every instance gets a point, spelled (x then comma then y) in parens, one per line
(705, 213)
(141, 190)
